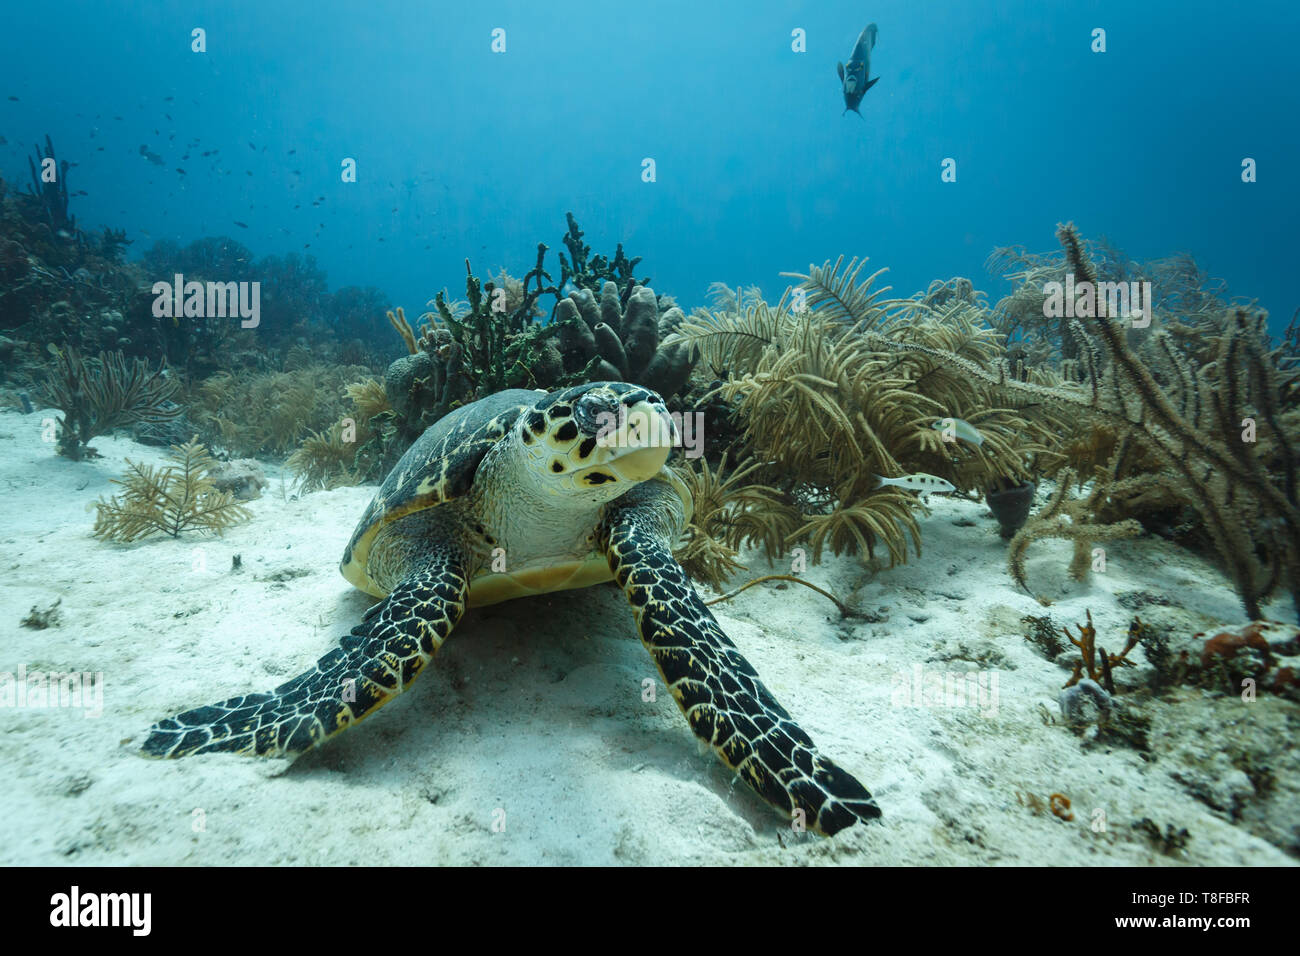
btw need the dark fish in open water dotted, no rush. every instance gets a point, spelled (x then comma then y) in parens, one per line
(854, 77)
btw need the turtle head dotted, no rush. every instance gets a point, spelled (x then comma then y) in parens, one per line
(599, 438)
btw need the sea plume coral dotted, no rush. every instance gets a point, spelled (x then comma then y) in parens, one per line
(178, 497)
(1223, 436)
(97, 397)
(824, 410)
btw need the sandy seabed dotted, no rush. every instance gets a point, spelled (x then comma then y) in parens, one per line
(529, 740)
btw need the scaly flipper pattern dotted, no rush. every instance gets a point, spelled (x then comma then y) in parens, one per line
(371, 666)
(716, 688)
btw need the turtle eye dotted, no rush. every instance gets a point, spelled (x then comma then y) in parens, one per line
(595, 414)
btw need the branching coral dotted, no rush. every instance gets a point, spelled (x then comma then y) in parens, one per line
(97, 397)
(824, 410)
(327, 459)
(356, 448)
(728, 514)
(593, 273)
(178, 497)
(52, 192)
(608, 326)
(252, 413)
(1073, 519)
(495, 343)
(1221, 433)
(704, 552)
(1094, 662)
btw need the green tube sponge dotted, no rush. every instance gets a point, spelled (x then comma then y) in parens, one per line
(640, 330)
(610, 348)
(611, 312)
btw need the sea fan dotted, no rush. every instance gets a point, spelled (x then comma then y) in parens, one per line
(178, 497)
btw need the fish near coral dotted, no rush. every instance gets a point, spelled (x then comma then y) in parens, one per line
(925, 484)
(854, 77)
(958, 428)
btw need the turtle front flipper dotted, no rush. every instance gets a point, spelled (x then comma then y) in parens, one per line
(371, 666)
(717, 689)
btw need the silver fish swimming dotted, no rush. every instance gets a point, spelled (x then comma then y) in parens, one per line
(925, 484)
(854, 77)
(959, 428)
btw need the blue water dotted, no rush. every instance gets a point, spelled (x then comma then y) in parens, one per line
(464, 152)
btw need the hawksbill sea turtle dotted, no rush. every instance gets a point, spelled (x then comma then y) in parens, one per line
(527, 493)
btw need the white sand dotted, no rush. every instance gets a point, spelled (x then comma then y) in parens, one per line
(534, 708)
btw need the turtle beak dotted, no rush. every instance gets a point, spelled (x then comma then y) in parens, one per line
(644, 438)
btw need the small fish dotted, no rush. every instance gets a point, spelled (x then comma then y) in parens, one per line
(13, 99)
(961, 428)
(252, 147)
(925, 484)
(3, 141)
(854, 77)
(169, 98)
(179, 170)
(292, 151)
(241, 225)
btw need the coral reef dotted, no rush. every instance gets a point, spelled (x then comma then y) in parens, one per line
(495, 343)
(1267, 653)
(358, 447)
(592, 273)
(601, 339)
(250, 413)
(609, 325)
(52, 192)
(1073, 519)
(98, 397)
(178, 497)
(1219, 438)
(823, 411)
(720, 504)
(1094, 661)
